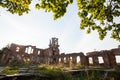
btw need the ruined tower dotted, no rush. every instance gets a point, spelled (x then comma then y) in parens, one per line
(54, 50)
(53, 45)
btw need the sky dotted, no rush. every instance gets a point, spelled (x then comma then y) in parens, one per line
(38, 27)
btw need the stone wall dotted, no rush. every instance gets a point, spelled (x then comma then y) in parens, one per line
(32, 55)
(108, 56)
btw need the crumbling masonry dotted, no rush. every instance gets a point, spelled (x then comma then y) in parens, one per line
(30, 54)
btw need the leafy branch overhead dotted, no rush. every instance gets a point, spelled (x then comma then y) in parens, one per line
(98, 15)
(58, 7)
(16, 6)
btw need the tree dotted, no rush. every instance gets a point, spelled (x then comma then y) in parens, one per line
(16, 6)
(98, 15)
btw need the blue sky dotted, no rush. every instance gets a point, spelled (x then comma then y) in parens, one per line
(38, 27)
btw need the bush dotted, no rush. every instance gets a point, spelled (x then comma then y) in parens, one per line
(10, 70)
(54, 74)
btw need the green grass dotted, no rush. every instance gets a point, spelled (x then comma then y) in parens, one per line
(9, 70)
(57, 73)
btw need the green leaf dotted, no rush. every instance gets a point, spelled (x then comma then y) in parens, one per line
(37, 6)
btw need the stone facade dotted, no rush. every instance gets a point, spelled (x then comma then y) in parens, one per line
(30, 54)
(108, 56)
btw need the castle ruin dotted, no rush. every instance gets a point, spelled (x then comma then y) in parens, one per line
(51, 56)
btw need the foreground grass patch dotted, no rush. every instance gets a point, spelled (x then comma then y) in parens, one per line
(56, 73)
(10, 70)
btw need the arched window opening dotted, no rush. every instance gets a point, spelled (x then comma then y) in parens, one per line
(39, 52)
(100, 59)
(117, 59)
(17, 49)
(90, 60)
(29, 50)
(64, 59)
(78, 59)
(59, 59)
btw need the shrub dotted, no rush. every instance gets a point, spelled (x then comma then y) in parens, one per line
(10, 70)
